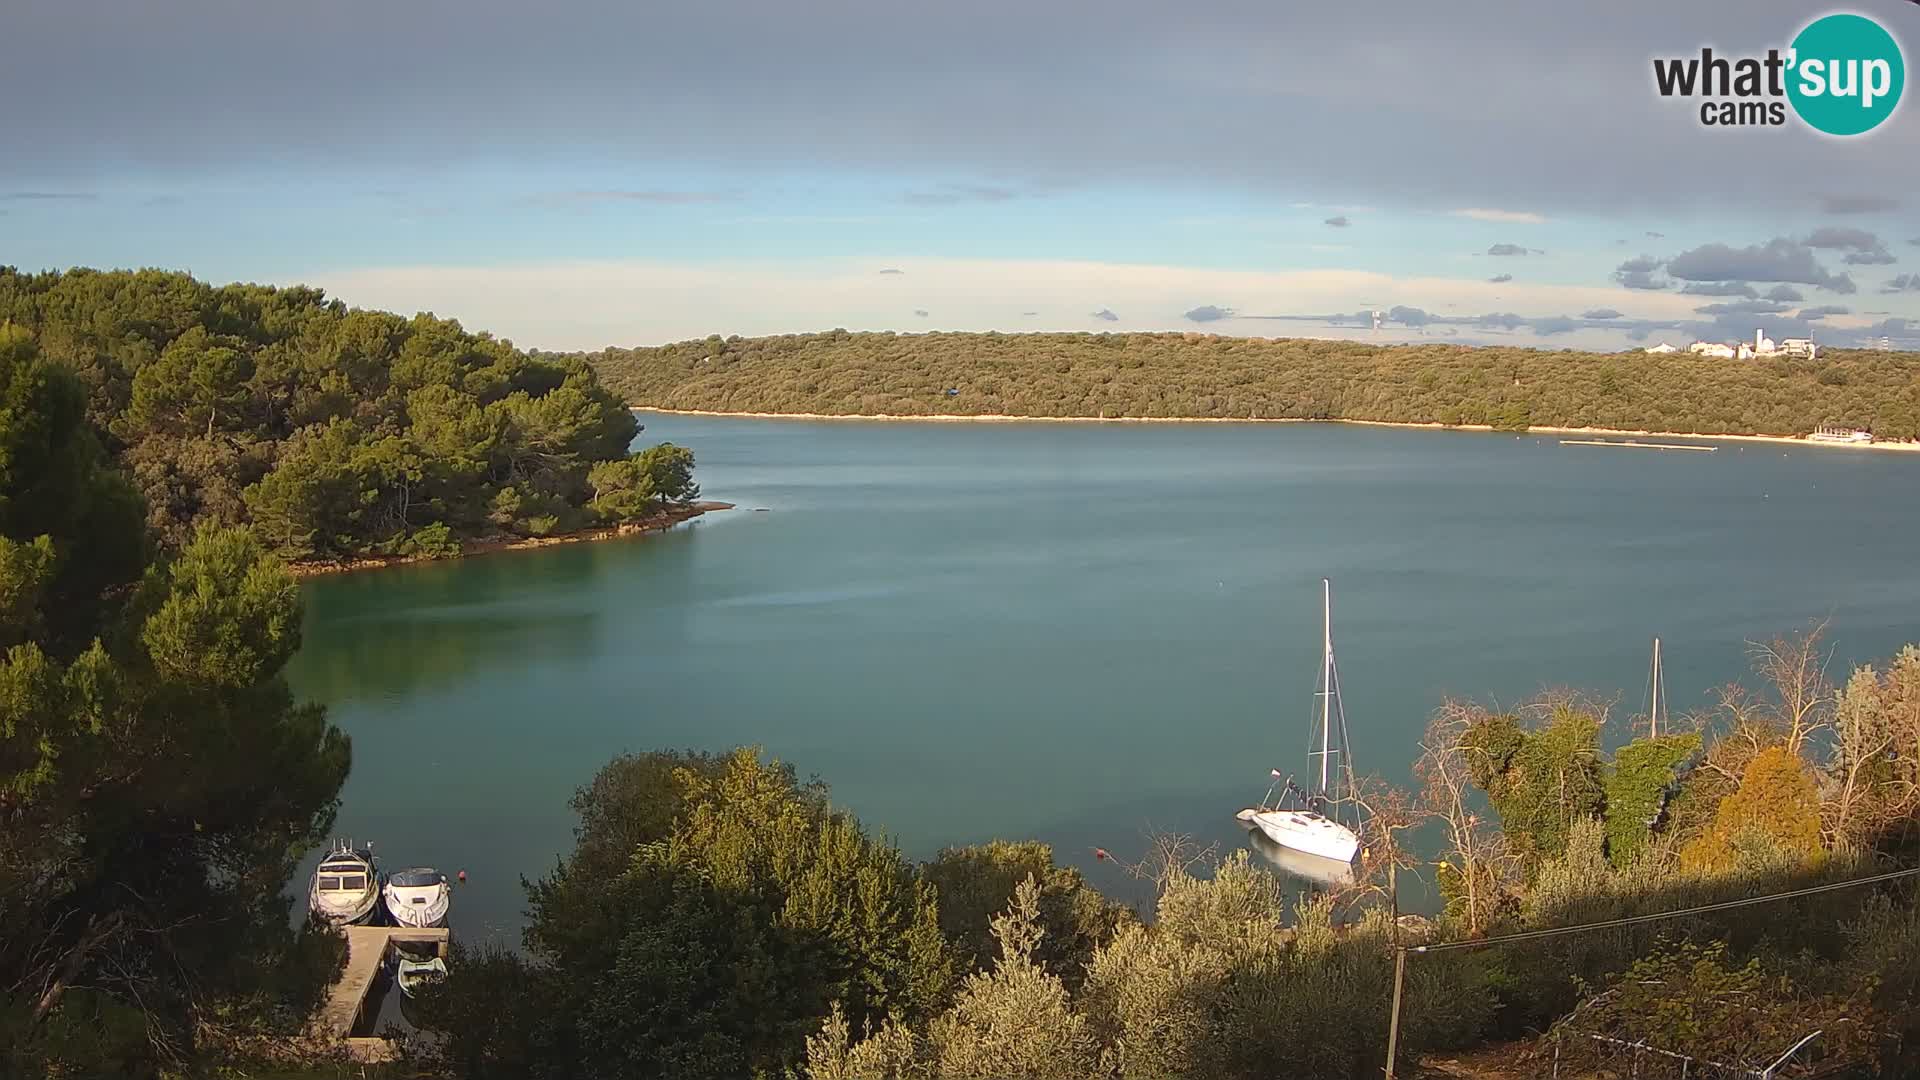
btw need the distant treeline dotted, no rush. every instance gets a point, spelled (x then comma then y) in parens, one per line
(334, 432)
(1203, 375)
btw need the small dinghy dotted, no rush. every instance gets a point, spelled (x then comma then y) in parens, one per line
(1310, 822)
(345, 890)
(417, 897)
(414, 969)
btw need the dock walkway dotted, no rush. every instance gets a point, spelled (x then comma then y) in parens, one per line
(366, 954)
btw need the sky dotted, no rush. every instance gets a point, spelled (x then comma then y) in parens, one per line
(580, 174)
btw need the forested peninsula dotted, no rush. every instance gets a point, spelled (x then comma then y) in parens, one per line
(339, 436)
(1206, 376)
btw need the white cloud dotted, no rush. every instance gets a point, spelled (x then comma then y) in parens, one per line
(1510, 217)
(589, 304)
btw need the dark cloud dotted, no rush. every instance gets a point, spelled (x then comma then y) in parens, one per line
(1720, 288)
(891, 270)
(922, 312)
(1744, 307)
(1509, 249)
(1209, 313)
(1601, 313)
(1903, 283)
(1499, 279)
(1554, 324)
(1340, 222)
(48, 196)
(1779, 259)
(1785, 294)
(1637, 273)
(1858, 204)
(1821, 312)
(1862, 247)
(955, 194)
(502, 86)
(1841, 236)
(1106, 315)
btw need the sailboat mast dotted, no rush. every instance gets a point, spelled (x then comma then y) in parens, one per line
(1653, 715)
(1326, 676)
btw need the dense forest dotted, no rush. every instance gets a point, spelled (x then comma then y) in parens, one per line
(1204, 375)
(720, 918)
(332, 432)
(158, 781)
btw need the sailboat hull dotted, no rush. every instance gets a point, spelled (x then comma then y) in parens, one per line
(1305, 831)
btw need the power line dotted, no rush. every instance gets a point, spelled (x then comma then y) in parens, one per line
(1400, 953)
(1531, 935)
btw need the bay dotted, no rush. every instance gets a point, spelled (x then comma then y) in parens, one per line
(1074, 632)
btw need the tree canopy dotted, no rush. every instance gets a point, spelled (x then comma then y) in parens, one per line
(157, 779)
(1208, 376)
(335, 432)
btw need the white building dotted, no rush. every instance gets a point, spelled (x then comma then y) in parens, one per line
(1713, 349)
(1762, 344)
(1799, 346)
(1663, 347)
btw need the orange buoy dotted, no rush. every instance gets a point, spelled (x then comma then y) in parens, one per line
(463, 875)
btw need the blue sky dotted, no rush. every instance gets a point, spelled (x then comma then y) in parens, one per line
(593, 173)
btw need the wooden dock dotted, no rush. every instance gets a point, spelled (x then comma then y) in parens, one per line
(1638, 444)
(367, 948)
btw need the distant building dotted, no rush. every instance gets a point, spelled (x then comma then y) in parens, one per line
(1663, 347)
(1712, 348)
(1799, 346)
(1762, 344)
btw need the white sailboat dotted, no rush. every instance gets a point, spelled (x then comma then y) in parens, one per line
(1310, 821)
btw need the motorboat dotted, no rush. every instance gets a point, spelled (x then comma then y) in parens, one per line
(345, 888)
(418, 896)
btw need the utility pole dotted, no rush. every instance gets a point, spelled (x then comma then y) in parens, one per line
(1393, 1025)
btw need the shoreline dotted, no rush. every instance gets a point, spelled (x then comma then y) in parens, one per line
(1536, 429)
(660, 522)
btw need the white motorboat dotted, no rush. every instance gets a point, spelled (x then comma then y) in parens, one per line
(345, 889)
(1322, 821)
(417, 897)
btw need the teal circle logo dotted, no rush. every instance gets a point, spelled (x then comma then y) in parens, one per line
(1846, 74)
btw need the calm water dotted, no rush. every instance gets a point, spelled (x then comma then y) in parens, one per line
(1074, 632)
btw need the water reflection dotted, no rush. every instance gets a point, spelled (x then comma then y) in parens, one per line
(1312, 869)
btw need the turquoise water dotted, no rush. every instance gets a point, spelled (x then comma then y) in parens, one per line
(1074, 632)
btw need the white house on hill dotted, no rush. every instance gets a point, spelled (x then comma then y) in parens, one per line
(1663, 347)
